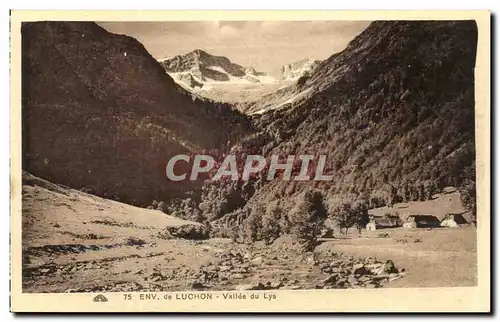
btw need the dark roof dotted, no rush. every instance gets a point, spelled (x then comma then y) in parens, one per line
(459, 219)
(422, 217)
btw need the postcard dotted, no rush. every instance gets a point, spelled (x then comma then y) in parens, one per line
(250, 161)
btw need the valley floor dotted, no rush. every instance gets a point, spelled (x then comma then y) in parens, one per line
(75, 242)
(441, 257)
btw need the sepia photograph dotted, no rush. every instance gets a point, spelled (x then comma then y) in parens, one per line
(201, 156)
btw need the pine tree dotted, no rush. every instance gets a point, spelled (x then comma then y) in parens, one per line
(307, 218)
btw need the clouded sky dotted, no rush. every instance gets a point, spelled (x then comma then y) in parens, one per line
(264, 45)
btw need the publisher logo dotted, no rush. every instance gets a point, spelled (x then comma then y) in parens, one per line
(100, 298)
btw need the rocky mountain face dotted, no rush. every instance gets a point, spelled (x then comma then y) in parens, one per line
(299, 68)
(201, 61)
(293, 76)
(204, 67)
(393, 112)
(100, 113)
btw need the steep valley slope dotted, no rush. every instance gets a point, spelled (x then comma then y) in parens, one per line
(393, 112)
(99, 113)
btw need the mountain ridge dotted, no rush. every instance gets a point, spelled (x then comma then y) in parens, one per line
(393, 112)
(299, 68)
(205, 67)
(100, 113)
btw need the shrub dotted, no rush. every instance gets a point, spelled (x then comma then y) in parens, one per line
(468, 196)
(421, 192)
(377, 199)
(391, 196)
(162, 206)
(188, 231)
(185, 209)
(253, 225)
(271, 228)
(468, 189)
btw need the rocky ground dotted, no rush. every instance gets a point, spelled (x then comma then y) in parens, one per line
(178, 265)
(75, 242)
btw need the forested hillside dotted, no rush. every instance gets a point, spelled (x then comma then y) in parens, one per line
(100, 113)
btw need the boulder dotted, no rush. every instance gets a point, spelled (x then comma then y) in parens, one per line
(198, 286)
(257, 261)
(187, 231)
(237, 276)
(332, 279)
(360, 269)
(132, 241)
(389, 267)
(250, 287)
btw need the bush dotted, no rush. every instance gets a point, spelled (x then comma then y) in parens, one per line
(391, 196)
(188, 231)
(271, 228)
(468, 189)
(162, 206)
(377, 199)
(468, 196)
(253, 227)
(185, 209)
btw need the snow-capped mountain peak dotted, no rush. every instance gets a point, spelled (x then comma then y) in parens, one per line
(208, 68)
(299, 68)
